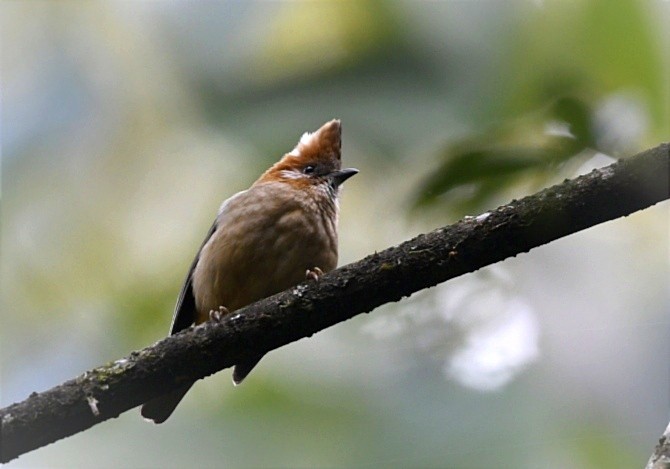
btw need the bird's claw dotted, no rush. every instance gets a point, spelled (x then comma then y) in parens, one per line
(218, 315)
(313, 274)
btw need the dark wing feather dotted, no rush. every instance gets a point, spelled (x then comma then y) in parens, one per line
(160, 408)
(184, 311)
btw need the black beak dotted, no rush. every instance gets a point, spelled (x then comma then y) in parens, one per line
(342, 175)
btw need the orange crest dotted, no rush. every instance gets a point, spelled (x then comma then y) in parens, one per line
(322, 147)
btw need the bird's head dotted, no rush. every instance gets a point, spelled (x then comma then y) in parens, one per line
(315, 161)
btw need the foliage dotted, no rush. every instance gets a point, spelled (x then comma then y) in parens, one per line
(562, 67)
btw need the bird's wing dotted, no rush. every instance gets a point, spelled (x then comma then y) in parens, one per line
(184, 311)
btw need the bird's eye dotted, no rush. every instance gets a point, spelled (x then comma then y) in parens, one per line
(309, 169)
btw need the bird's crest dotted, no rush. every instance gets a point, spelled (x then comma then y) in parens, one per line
(322, 147)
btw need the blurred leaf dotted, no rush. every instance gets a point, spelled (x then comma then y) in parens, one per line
(593, 48)
(578, 116)
(476, 166)
(568, 59)
(486, 165)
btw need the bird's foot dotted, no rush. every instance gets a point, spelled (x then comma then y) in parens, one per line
(218, 315)
(313, 274)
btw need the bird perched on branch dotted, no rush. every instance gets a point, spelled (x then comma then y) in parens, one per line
(264, 240)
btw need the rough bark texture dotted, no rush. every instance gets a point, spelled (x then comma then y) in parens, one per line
(397, 272)
(660, 459)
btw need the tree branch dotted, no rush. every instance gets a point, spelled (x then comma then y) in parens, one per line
(397, 272)
(660, 459)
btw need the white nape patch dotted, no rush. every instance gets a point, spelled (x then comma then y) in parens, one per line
(306, 139)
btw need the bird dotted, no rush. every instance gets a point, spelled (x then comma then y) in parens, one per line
(266, 239)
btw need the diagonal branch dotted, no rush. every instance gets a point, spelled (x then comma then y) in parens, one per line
(397, 272)
(660, 458)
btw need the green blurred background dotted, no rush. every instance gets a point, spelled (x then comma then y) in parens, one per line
(124, 125)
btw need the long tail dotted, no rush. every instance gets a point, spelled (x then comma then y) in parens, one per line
(161, 408)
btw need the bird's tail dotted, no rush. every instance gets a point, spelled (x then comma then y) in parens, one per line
(242, 369)
(160, 408)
